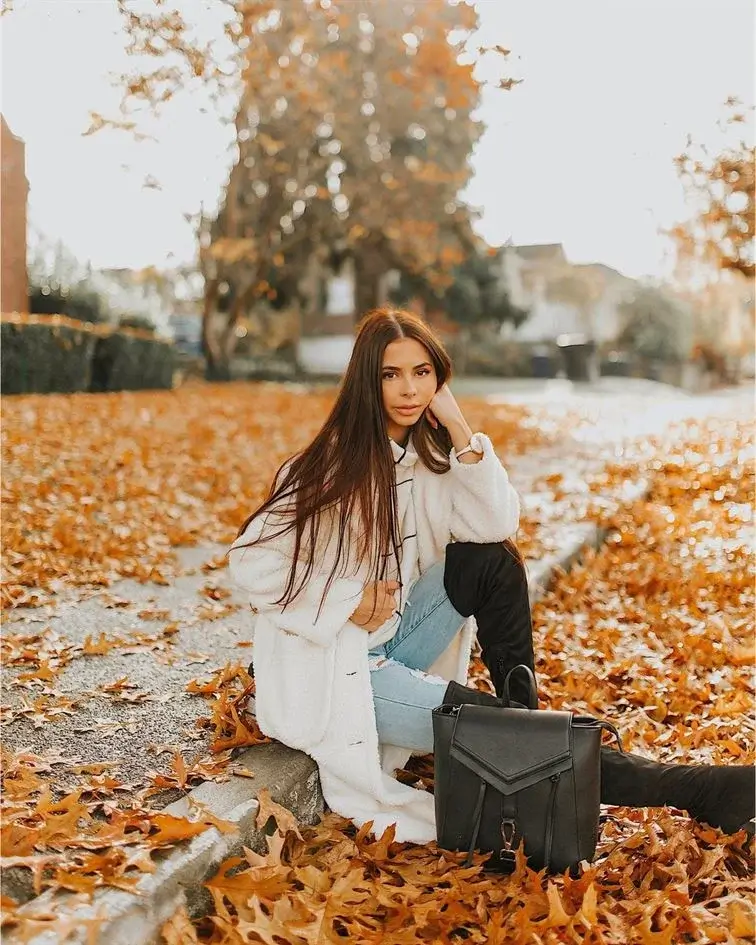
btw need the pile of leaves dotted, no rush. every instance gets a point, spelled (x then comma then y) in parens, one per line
(655, 632)
(97, 488)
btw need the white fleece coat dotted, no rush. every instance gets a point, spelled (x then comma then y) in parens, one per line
(313, 689)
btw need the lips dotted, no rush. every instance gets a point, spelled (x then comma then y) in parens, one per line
(408, 409)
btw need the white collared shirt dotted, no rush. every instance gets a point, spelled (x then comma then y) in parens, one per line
(409, 570)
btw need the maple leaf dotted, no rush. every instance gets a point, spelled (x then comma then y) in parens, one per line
(161, 829)
(557, 915)
(314, 879)
(740, 921)
(100, 647)
(270, 882)
(178, 930)
(284, 818)
(209, 817)
(148, 614)
(588, 907)
(664, 937)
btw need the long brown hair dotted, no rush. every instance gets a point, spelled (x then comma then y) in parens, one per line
(347, 475)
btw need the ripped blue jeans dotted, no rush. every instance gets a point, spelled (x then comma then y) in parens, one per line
(403, 693)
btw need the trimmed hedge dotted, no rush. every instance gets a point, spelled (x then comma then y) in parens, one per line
(37, 358)
(123, 363)
(55, 354)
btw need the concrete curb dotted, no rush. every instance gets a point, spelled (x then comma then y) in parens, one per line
(543, 573)
(129, 919)
(290, 776)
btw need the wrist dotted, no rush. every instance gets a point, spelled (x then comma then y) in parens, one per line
(472, 452)
(460, 433)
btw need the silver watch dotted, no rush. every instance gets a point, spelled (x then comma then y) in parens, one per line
(468, 449)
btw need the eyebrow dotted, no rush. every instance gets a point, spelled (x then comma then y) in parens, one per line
(393, 367)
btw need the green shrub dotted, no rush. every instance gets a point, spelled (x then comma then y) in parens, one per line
(55, 354)
(40, 358)
(122, 362)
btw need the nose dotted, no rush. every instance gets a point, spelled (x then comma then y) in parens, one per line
(410, 388)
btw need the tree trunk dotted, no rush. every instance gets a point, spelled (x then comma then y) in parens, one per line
(217, 357)
(367, 271)
(463, 351)
(217, 369)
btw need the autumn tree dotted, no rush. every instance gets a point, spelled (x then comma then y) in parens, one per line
(720, 189)
(353, 129)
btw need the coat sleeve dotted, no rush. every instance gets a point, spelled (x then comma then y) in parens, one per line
(263, 572)
(485, 505)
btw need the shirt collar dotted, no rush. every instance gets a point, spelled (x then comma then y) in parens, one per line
(403, 455)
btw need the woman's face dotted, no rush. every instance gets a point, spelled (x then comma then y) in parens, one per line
(408, 379)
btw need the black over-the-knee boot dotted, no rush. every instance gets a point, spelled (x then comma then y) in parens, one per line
(721, 795)
(488, 582)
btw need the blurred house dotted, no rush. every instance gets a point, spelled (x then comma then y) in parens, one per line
(14, 191)
(328, 321)
(563, 299)
(327, 335)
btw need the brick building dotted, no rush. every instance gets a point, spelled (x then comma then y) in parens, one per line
(14, 189)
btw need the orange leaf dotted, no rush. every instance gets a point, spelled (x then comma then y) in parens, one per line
(557, 915)
(179, 930)
(284, 818)
(741, 922)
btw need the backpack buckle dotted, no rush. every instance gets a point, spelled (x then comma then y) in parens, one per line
(508, 833)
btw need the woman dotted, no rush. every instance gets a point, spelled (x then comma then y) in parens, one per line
(381, 549)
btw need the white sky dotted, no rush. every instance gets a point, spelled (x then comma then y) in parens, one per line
(579, 153)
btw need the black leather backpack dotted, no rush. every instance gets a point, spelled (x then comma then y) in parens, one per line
(506, 774)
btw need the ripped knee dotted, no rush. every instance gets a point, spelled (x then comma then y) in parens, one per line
(426, 677)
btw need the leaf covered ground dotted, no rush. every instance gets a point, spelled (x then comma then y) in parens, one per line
(99, 488)
(654, 631)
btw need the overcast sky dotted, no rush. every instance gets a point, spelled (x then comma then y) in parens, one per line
(579, 153)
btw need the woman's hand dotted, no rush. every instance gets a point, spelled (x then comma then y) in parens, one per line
(378, 596)
(444, 409)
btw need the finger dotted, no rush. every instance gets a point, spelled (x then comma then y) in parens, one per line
(388, 603)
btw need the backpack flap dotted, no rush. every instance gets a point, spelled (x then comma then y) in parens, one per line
(512, 749)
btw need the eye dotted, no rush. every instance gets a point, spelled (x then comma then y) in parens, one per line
(389, 374)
